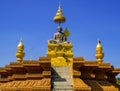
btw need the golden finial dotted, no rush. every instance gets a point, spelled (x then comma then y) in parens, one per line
(99, 54)
(20, 53)
(20, 45)
(59, 17)
(99, 47)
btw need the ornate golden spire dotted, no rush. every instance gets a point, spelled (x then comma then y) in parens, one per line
(99, 54)
(59, 17)
(20, 53)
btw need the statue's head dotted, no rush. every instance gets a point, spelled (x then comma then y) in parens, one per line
(59, 29)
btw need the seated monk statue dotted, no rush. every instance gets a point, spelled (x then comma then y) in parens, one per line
(59, 37)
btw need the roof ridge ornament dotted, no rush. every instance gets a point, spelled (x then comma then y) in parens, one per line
(20, 51)
(99, 52)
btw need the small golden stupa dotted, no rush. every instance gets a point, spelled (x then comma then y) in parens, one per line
(20, 53)
(99, 54)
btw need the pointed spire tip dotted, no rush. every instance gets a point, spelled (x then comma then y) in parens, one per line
(99, 41)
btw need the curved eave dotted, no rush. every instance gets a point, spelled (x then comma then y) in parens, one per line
(116, 70)
(2, 70)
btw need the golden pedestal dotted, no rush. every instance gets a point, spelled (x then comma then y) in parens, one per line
(60, 54)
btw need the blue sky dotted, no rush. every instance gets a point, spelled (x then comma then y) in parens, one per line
(87, 21)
